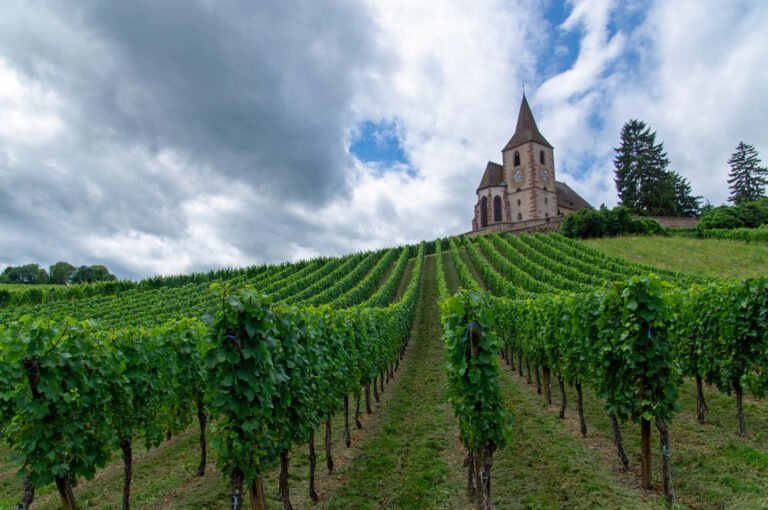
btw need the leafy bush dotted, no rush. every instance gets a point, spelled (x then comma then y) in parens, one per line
(724, 217)
(584, 223)
(746, 215)
(587, 223)
(649, 226)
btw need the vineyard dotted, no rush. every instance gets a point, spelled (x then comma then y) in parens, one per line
(518, 372)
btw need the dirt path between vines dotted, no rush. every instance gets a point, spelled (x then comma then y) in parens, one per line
(413, 457)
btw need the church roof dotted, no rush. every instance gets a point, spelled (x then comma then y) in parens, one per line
(568, 198)
(493, 176)
(526, 130)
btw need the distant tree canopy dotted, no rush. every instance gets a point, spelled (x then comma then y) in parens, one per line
(644, 184)
(28, 273)
(747, 180)
(91, 274)
(60, 273)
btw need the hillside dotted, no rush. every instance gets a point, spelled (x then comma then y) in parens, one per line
(406, 453)
(705, 257)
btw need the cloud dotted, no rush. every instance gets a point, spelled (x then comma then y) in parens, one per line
(693, 71)
(177, 136)
(118, 116)
(254, 89)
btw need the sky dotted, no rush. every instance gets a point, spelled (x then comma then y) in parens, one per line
(184, 135)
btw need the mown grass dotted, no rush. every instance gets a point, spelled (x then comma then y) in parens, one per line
(705, 257)
(712, 467)
(413, 457)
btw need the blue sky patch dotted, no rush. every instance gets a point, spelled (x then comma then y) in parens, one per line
(562, 47)
(380, 143)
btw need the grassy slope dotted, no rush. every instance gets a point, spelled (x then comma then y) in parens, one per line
(707, 257)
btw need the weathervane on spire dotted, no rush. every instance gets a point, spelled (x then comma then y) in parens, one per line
(523, 87)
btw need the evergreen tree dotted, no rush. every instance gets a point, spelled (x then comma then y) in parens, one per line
(747, 179)
(643, 182)
(685, 203)
(640, 168)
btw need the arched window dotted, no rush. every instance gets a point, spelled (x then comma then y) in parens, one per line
(519, 216)
(517, 158)
(497, 208)
(484, 212)
(541, 157)
(546, 200)
(519, 201)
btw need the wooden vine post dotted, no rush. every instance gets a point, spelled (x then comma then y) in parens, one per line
(645, 454)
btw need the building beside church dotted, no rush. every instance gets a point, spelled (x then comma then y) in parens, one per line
(522, 192)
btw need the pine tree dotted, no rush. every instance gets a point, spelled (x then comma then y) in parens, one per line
(685, 203)
(747, 179)
(643, 182)
(640, 169)
(628, 164)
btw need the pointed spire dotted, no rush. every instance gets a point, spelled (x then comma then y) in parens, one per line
(526, 130)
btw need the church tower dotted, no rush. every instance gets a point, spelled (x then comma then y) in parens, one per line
(523, 187)
(529, 167)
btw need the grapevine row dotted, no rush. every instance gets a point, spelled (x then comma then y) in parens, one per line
(74, 391)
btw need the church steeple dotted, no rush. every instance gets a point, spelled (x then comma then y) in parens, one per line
(526, 130)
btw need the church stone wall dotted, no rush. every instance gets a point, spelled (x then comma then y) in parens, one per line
(546, 204)
(490, 193)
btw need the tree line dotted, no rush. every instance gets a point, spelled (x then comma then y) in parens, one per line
(60, 273)
(647, 187)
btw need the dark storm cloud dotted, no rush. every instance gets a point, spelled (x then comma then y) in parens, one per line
(163, 101)
(258, 90)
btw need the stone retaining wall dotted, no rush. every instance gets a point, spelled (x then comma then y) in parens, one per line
(531, 226)
(673, 221)
(519, 227)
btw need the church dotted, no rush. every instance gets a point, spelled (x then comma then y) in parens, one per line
(522, 193)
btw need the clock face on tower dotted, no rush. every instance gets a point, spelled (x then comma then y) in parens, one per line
(544, 174)
(518, 177)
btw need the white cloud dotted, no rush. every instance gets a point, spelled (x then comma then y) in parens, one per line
(694, 71)
(29, 113)
(455, 93)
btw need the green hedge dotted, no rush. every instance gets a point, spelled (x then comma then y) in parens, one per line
(588, 223)
(746, 215)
